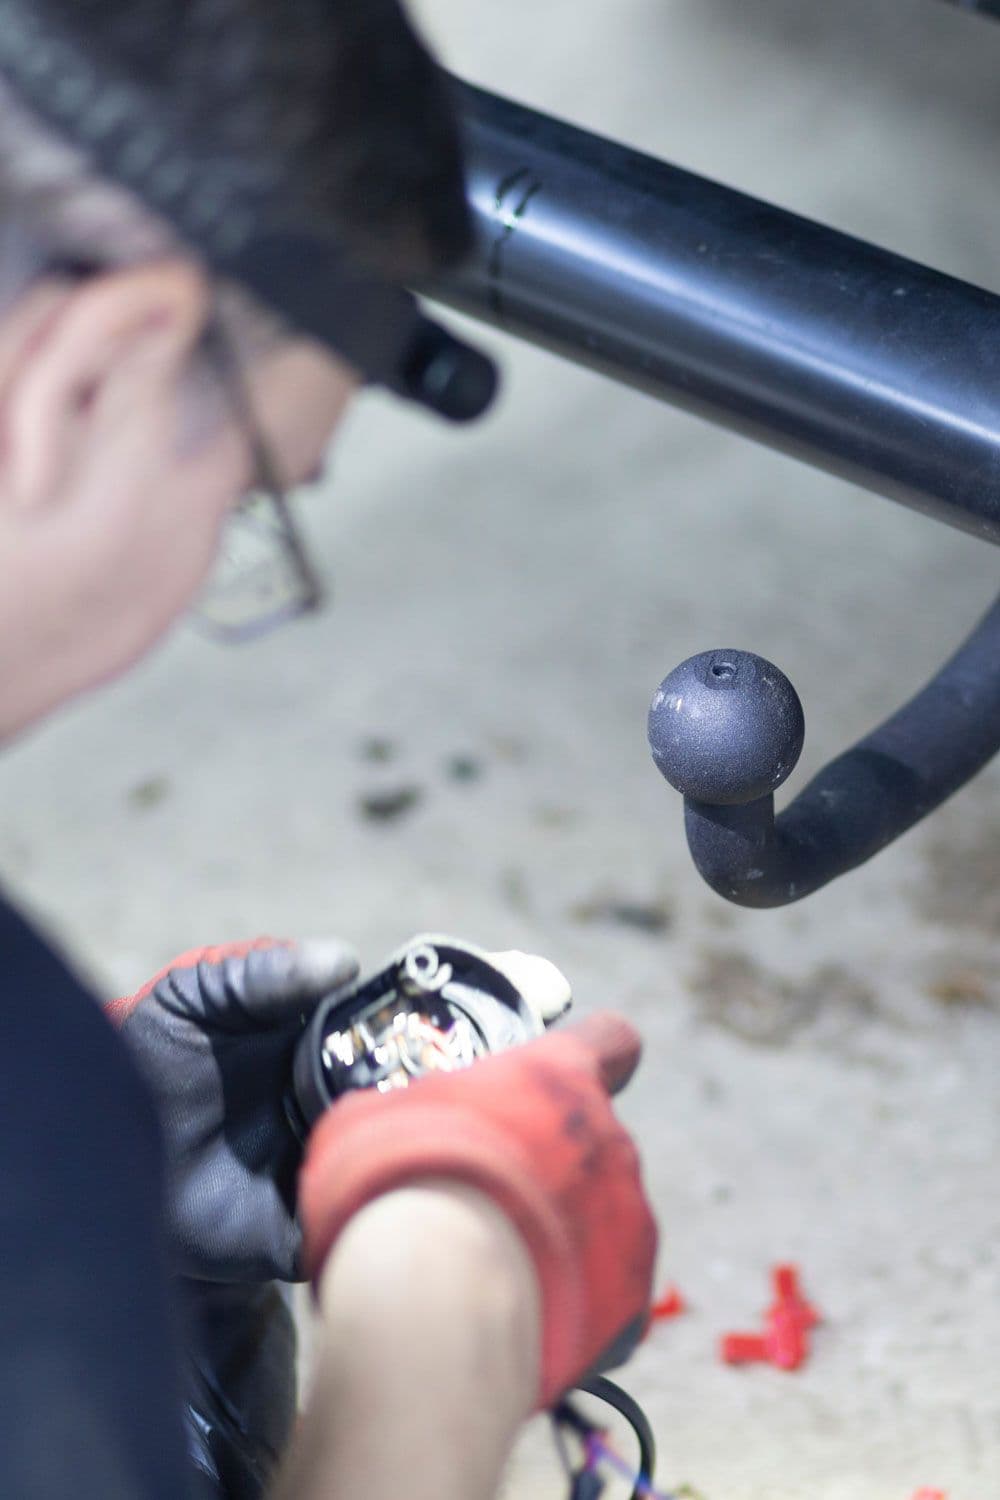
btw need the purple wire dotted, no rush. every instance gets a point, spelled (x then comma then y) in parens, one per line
(597, 1450)
(593, 1451)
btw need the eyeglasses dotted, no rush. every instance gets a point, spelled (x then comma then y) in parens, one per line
(264, 577)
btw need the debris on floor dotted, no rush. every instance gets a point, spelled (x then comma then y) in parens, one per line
(149, 793)
(670, 1305)
(390, 805)
(464, 768)
(608, 909)
(784, 1341)
(377, 750)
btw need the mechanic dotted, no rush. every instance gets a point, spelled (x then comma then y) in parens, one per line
(476, 1242)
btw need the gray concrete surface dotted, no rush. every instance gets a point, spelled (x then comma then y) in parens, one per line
(820, 1083)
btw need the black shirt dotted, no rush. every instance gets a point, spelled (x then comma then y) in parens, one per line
(90, 1404)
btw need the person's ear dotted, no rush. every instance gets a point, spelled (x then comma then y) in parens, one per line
(145, 319)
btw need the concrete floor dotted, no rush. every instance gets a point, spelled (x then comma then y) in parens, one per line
(820, 1082)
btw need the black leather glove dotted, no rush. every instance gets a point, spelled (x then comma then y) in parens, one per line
(214, 1036)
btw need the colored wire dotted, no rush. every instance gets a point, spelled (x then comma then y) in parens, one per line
(643, 1489)
(561, 1448)
(612, 1395)
(597, 1450)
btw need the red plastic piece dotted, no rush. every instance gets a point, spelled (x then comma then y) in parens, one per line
(926, 1494)
(670, 1305)
(785, 1339)
(744, 1349)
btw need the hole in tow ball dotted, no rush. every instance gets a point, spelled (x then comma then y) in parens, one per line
(723, 669)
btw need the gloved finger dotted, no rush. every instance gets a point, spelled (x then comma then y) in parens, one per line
(286, 977)
(236, 1227)
(279, 1236)
(613, 1047)
(118, 1011)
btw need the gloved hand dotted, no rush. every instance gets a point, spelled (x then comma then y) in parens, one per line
(533, 1128)
(214, 1035)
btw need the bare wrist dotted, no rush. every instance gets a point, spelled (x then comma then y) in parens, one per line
(440, 1258)
(431, 1351)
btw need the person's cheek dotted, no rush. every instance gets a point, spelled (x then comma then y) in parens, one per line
(184, 550)
(300, 396)
(152, 531)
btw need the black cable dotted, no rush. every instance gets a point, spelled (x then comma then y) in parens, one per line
(585, 1483)
(560, 1442)
(605, 1390)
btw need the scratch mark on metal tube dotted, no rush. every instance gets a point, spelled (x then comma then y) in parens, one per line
(523, 184)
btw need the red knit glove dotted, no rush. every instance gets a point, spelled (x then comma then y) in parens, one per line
(532, 1128)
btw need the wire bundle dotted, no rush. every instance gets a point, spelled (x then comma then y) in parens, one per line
(586, 1482)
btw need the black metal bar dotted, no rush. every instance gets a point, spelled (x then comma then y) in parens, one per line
(849, 357)
(984, 7)
(726, 727)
